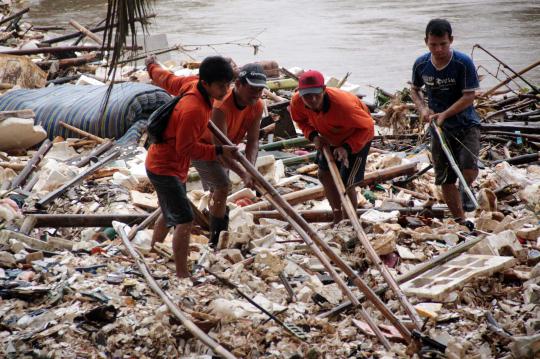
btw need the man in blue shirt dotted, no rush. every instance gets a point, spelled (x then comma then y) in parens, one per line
(450, 80)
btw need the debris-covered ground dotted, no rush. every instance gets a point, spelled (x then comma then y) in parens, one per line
(69, 288)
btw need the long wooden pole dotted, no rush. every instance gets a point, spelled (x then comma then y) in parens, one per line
(310, 236)
(86, 32)
(82, 133)
(351, 213)
(193, 329)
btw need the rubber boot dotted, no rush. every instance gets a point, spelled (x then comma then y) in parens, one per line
(216, 226)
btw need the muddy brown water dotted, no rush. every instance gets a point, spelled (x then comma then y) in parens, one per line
(377, 41)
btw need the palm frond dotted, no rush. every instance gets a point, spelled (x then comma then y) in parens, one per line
(125, 15)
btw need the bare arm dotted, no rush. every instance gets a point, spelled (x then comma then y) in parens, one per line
(418, 99)
(464, 101)
(218, 118)
(252, 146)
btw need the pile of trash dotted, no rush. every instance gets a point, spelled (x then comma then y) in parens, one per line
(78, 278)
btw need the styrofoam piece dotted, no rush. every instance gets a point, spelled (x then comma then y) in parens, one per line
(439, 281)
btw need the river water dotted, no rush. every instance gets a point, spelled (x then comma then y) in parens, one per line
(376, 40)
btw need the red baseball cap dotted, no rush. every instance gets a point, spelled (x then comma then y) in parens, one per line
(310, 82)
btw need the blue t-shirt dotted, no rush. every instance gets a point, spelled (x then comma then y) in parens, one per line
(445, 86)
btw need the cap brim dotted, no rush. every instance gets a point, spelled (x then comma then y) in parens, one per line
(311, 90)
(256, 83)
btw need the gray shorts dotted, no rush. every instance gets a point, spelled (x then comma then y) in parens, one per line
(213, 174)
(465, 147)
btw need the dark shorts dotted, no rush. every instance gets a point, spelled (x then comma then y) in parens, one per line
(465, 147)
(213, 175)
(352, 175)
(172, 199)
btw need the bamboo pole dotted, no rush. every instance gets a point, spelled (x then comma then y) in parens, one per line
(32, 164)
(86, 32)
(414, 272)
(290, 143)
(375, 259)
(82, 133)
(193, 329)
(328, 216)
(310, 236)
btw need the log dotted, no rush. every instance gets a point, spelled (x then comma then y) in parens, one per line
(63, 63)
(86, 32)
(82, 133)
(32, 164)
(513, 134)
(59, 49)
(413, 273)
(14, 16)
(292, 198)
(523, 127)
(520, 160)
(311, 237)
(350, 209)
(188, 324)
(317, 192)
(57, 193)
(328, 216)
(48, 28)
(86, 220)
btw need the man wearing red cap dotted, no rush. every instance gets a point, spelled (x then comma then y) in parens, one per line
(329, 116)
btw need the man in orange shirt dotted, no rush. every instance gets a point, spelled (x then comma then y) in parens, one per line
(238, 114)
(329, 116)
(167, 163)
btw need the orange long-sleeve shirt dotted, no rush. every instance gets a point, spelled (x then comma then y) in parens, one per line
(186, 126)
(344, 119)
(238, 120)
